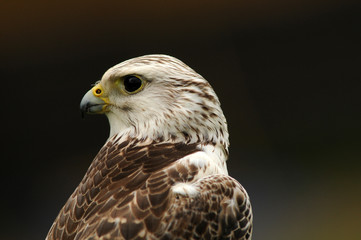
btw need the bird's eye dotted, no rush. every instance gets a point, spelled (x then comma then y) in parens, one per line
(132, 84)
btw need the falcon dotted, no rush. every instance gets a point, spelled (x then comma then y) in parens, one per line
(162, 172)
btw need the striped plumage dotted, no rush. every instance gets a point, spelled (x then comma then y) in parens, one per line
(162, 173)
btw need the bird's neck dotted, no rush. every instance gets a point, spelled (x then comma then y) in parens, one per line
(209, 156)
(217, 156)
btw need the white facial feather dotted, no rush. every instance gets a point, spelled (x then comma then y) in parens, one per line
(176, 103)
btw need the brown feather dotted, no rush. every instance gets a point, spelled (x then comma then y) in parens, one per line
(133, 198)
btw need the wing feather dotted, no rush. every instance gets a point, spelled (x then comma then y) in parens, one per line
(127, 194)
(221, 210)
(114, 185)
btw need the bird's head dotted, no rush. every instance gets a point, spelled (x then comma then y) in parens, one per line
(161, 98)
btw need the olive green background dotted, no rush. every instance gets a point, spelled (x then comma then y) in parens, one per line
(287, 74)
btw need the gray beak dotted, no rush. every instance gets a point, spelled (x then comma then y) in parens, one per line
(92, 104)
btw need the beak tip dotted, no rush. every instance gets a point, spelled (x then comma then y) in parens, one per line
(91, 104)
(83, 108)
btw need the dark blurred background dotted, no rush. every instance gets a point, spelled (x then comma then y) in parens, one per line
(287, 74)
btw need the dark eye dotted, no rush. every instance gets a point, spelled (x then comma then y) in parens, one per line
(132, 83)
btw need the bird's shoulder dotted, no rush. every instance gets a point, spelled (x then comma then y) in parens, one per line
(143, 189)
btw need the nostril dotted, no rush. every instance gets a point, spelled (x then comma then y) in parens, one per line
(98, 91)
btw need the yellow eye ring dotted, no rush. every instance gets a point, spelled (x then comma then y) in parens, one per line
(132, 84)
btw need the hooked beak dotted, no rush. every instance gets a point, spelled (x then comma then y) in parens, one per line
(93, 101)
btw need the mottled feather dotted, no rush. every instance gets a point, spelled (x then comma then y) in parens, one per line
(160, 176)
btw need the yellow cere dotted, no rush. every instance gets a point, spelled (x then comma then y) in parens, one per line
(98, 92)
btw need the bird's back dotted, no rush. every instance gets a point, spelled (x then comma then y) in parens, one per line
(128, 193)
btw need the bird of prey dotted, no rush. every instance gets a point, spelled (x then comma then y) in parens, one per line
(162, 173)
